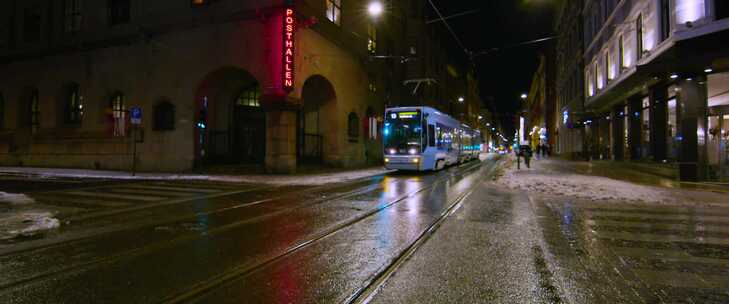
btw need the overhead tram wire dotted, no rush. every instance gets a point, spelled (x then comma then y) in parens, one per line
(448, 26)
(492, 50)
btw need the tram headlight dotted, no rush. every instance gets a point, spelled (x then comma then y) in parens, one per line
(416, 160)
(413, 151)
(392, 151)
(387, 160)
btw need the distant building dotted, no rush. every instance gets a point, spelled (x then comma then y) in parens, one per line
(219, 82)
(569, 88)
(540, 126)
(657, 82)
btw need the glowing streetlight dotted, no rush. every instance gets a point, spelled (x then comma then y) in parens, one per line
(375, 9)
(461, 99)
(524, 96)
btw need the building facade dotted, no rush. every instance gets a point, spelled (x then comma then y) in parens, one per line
(541, 116)
(569, 89)
(272, 83)
(655, 78)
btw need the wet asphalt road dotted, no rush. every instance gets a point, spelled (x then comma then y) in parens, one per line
(446, 237)
(150, 242)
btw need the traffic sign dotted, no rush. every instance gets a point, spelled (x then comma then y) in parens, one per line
(135, 113)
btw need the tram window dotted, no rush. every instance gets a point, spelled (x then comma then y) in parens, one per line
(431, 136)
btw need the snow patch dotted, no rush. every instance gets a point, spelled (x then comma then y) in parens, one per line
(310, 179)
(15, 199)
(26, 223)
(541, 180)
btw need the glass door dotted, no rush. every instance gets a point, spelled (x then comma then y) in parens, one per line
(718, 149)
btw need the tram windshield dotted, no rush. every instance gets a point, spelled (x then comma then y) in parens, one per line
(403, 132)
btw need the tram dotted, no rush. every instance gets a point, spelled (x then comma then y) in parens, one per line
(422, 138)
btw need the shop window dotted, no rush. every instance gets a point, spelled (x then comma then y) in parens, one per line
(118, 107)
(334, 11)
(353, 126)
(119, 12)
(645, 127)
(32, 23)
(71, 16)
(250, 97)
(164, 116)
(73, 108)
(371, 124)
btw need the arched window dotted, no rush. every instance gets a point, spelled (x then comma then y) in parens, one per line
(353, 126)
(73, 108)
(164, 116)
(250, 97)
(118, 107)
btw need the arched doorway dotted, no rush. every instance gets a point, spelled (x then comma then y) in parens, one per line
(230, 124)
(317, 121)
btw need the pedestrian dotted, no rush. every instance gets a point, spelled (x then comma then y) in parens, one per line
(526, 152)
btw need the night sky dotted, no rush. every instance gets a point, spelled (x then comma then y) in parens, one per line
(505, 73)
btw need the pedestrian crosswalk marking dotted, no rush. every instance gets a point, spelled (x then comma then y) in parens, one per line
(649, 216)
(697, 228)
(116, 196)
(668, 255)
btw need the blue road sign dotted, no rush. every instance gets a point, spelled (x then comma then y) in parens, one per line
(135, 113)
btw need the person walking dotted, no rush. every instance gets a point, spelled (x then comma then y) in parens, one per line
(526, 152)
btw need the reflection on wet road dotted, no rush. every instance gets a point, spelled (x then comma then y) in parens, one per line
(251, 245)
(615, 252)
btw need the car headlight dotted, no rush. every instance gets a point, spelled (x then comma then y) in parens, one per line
(392, 151)
(387, 160)
(416, 160)
(412, 151)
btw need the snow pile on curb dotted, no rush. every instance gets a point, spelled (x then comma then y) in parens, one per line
(16, 221)
(15, 199)
(542, 181)
(296, 180)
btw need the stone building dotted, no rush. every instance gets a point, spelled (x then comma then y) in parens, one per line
(540, 125)
(569, 91)
(656, 76)
(270, 83)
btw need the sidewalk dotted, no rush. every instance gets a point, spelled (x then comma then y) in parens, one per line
(598, 181)
(292, 180)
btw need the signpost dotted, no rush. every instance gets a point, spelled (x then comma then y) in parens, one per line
(135, 115)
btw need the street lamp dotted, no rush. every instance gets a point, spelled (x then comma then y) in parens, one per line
(375, 9)
(461, 99)
(524, 96)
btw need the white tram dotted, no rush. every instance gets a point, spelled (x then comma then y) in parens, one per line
(422, 138)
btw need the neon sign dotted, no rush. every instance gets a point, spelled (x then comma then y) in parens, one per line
(288, 49)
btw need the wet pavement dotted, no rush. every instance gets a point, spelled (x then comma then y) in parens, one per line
(454, 236)
(160, 241)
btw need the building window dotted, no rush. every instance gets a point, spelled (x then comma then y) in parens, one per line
(621, 52)
(639, 35)
(32, 23)
(665, 19)
(609, 75)
(371, 124)
(118, 114)
(164, 116)
(34, 111)
(71, 16)
(353, 126)
(73, 109)
(372, 39)
(334, 11)
(721, 7)
(119, 11)
(250, 97)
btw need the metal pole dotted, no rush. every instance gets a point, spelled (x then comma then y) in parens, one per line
(134, 149)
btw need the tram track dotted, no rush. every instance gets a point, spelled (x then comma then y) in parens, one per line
(80, 267)
(202, 288)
